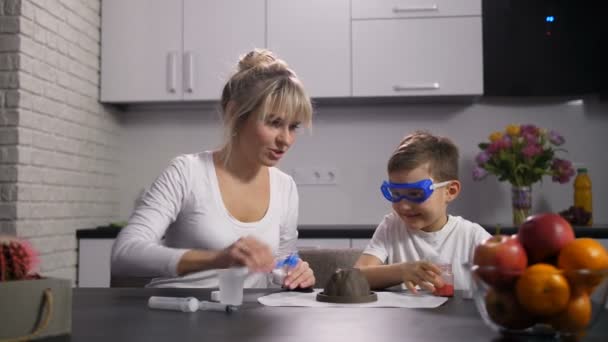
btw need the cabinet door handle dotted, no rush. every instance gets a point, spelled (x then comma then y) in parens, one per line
(172, 72)
(430, 8)
(189, 71)
(430, 86)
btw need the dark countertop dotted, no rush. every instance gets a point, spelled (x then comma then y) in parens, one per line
(113, 314)
(353, 231)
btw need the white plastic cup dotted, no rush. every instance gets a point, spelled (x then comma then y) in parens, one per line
(231, 281)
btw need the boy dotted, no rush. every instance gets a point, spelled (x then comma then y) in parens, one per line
(408, 243)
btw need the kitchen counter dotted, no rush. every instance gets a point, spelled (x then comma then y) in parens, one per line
(95, 244)
(347, 231)
(122, 315)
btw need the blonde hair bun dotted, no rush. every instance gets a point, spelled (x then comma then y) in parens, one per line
(258, 58)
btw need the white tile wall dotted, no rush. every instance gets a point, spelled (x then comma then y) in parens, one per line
(58, 145)
(358, 140)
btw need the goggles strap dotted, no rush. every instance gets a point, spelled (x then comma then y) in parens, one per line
(439, 185)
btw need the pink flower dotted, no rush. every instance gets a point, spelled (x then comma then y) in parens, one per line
(522, 155)
(530, 138)
(503, 144)
(529, 129)
(493, 147)
(531, 150)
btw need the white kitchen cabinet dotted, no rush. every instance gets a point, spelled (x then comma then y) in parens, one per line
(387, 9)
(140, 50)
(154, 50)
(216, 34)
(184, 50)
(416, 54)
(94, 262)
(313, 36)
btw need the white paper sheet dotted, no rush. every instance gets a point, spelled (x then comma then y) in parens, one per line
(385, 299)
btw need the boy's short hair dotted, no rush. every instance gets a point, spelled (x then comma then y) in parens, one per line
(422, 147)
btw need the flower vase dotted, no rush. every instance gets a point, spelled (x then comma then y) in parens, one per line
(521, 201)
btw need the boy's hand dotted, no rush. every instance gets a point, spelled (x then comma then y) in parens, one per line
(422, 273)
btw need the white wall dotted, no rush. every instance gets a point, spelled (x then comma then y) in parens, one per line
(357, 139)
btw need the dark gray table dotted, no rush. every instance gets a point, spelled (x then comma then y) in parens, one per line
(113, 314)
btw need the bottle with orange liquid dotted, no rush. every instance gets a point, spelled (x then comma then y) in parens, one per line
(582, 192)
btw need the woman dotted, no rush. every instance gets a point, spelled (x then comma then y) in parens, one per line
(229, 207)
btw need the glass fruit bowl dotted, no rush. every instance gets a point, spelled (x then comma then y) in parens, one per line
(542, 300)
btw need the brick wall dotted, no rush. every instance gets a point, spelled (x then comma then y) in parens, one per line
(58, 145)
(9, 54)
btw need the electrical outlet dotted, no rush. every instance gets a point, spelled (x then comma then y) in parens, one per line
(327, 175)
(315, 175)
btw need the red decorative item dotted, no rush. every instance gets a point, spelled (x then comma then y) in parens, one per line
(17, 259)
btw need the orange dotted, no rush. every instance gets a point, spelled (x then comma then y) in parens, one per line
(542, 290)
(583, 253)
(576, 316)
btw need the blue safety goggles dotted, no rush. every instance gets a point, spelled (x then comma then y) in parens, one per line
(416, 192)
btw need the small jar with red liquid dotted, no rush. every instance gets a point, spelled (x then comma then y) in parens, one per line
(447, 290)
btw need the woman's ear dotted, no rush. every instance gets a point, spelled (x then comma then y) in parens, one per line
(453, 190)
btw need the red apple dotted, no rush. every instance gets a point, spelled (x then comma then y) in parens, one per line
(506, 257)
(544, 235)
(504, 310)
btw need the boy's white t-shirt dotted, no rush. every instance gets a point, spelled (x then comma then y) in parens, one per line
(393, 243)
(183, 210)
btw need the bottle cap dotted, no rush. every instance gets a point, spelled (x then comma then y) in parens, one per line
(290, 261)
(190, 305)
(581, 170)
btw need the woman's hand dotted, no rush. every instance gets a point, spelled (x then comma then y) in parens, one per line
(300, 276)
(247, 251)
(422, 273)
